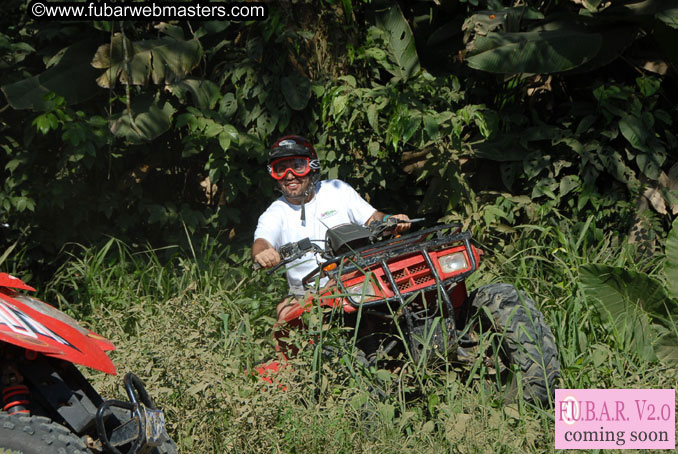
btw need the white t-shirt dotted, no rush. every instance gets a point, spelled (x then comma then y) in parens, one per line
(334, 203)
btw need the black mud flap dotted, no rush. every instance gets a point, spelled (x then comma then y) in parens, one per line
(140, 431)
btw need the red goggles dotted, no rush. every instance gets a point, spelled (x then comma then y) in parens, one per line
(298, 165)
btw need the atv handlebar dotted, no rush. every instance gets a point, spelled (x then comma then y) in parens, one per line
(292, 251)
(295, 250)
(379, 228)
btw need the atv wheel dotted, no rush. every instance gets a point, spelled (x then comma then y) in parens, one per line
(37, 435)
(525, 343)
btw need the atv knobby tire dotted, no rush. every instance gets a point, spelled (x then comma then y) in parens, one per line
(37, 435)
(524, 340)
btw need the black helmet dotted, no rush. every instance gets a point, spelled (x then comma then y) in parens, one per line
(292, 146)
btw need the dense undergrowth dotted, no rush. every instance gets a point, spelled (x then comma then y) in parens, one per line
(191, 327)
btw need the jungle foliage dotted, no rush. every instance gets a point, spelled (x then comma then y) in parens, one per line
(493, 113)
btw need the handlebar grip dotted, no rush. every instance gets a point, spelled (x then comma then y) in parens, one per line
(257, 267)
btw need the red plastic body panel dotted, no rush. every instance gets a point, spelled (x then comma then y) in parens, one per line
(31, 324)
(411, 273)
(9, 281)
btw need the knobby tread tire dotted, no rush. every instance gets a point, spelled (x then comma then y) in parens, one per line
(527, 341)
(37, 435)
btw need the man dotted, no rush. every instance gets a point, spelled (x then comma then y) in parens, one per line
(306, 209)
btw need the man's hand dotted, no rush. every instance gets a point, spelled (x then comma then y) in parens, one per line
(379, 216)
(264, 254)
(268, 258)
(401, 227)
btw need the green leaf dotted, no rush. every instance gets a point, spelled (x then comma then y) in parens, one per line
(296, 90)
(625, 299)
(618, 291)
(265, 124)
(592, 5)
(669, 16)
(164, 61)
(401, 43)
(671, 263)
(148, 125)
(13, 164)
(411, 126)
(667, 348)
(532, 52)
(339, 105)
(72, 78)
(7, 252)
(568, 183)
(648, 85)
(502, 150)
(205, 93)
(42, 124)
(228, 105)
(372, 117)
(585, 124)
(614, 41)
(233, 132)
(224, 140)
(650, 164)
(633, 130)
(430, 126)
(212, 129)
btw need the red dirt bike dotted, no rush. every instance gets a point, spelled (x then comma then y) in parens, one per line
(47, 405)
(407, 298)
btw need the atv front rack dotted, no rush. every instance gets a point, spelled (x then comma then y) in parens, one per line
(422, 242)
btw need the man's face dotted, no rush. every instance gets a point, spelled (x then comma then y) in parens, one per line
(294, 187)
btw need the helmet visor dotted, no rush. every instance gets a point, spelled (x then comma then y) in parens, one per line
(299, 166)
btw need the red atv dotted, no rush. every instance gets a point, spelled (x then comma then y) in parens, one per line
(406, 297)
(47, 405)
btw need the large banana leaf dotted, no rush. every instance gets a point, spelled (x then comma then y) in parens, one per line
(402, 48)
(544, 51)
(625, 299)
(618, 288)
(151, 119)
(72, 78)
(205, 93)
(164, 60)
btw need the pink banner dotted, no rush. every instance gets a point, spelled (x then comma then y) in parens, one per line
(615, 419)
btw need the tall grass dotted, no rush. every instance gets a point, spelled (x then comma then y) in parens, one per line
(191, 323)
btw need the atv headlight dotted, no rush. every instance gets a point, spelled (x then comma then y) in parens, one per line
(361, 292)
(453, 262)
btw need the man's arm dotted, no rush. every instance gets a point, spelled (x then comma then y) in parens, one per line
(376, 216)
(264, 253)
